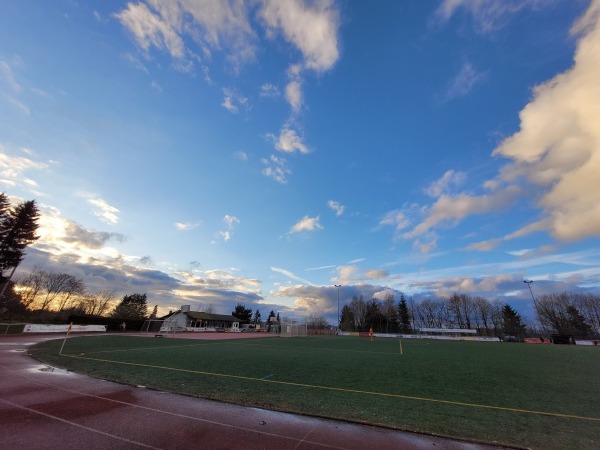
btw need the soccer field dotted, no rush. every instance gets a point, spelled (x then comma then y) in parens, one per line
(539, 396)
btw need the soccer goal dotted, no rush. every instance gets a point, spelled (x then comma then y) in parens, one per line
(158, 327)
(293, 329)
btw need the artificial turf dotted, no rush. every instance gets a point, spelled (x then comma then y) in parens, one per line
(538, 396)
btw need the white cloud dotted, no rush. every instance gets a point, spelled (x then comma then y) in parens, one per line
(456, 208)
(212, 24)
(14, 169)
(269, 90)
(293, 94)
(153, 28)
(103, 210)
(337, 207)
(185, 226)
(6, 72)
(376, 274)
(557, 147)
(488, 15)
(233, 100)
(464, 81)
(289, 274)
(306, 224)
(310, 26)
(276, 169)
(445, 183)
(289, 141)
(230, 221)
(396, 219)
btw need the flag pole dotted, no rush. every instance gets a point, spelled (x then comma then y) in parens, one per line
(65, 339)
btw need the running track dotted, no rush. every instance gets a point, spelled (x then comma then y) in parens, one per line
(46, 408)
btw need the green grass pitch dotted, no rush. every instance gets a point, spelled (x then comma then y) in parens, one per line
(539, 396)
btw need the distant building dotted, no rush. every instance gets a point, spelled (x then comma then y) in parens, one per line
(186, 320)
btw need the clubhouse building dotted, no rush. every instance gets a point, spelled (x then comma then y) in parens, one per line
(186, 320)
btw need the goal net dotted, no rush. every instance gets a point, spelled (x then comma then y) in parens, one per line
(157, 327)
(293, 329)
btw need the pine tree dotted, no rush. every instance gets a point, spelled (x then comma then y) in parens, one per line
(404, 315)
(511, 321)
(17, 230)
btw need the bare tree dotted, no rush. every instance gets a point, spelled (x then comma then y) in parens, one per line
(54, 285)
(72, 286)
(483, 310)
(30, 286)
(358, 306)
(96, 304)
(389, 311)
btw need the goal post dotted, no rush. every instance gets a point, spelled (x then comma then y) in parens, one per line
(292, 329)
(156, 326)
(11, 328)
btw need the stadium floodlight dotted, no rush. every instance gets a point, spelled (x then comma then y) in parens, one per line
(338, 286)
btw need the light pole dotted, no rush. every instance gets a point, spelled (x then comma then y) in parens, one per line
(338, 286)
(528, 283)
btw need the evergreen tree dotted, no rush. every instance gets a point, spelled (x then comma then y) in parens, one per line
(404, 316)
(242, 313)
(154, 312)
(511, 322)
(17, 230)
(347, 319)
(132, 306)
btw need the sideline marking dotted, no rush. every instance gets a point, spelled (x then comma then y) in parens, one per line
(352, 391)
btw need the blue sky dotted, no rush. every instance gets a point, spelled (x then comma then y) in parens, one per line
(216, 152)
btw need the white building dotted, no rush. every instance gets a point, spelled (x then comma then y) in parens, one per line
(186, 320)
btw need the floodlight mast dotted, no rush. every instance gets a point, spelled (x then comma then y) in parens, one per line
(528, 283)
(338, 286)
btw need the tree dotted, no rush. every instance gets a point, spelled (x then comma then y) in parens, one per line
(257, 318)
(95, 304)
(154, 312)
(511, 321)
(17, 230)
(242, 313)
(359, 311)
(390, 313)
(316, 321)
(132, 306)
(403, 316)
(347, 319)
(30, 286)
(577, 324)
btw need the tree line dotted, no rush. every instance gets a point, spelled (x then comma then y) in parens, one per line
(572, 314)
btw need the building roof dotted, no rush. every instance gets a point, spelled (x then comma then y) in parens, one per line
(214, 317)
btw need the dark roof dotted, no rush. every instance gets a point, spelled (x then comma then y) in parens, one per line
(214, 317)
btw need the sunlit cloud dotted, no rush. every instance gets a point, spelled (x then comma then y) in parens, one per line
(103, 210)
(306, 224)
(288, 141)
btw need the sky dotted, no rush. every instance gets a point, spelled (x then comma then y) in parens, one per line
(214, 152)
